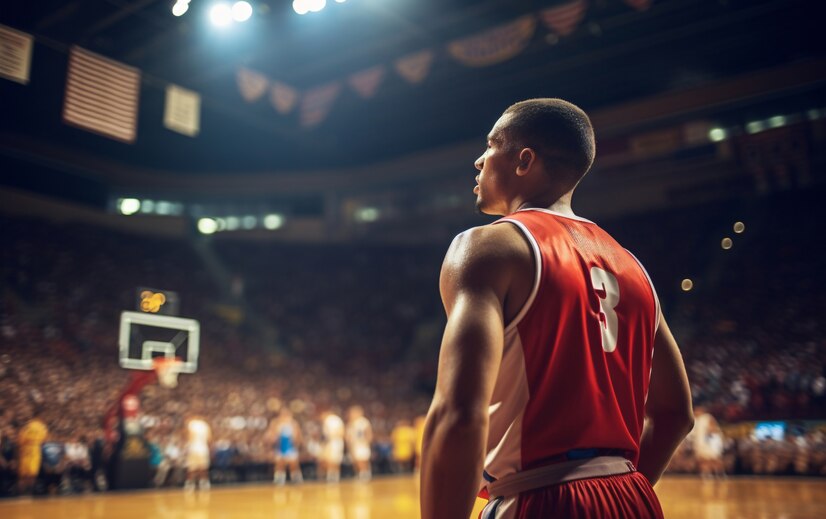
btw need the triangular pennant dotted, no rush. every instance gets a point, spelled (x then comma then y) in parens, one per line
(283, 97)
(251, 84)
(564, 19)
(495, 45)
(639, 5)
(415, 67)
(316, 103)
(366, 82)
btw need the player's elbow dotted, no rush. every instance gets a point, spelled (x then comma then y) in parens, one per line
(679, 420)
(458, 417)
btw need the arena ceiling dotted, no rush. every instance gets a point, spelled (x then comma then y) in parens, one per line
(615, 54)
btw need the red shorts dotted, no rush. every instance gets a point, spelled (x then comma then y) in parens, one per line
(621, 496)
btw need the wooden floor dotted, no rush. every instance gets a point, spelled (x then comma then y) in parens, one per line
(396, 498)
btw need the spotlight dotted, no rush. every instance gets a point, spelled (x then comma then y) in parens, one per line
(273, 221)
(129, 206)
(726, 243)
(241, 11)
(717, 134)
(180, 7)
(687, 285)
(316, 5)
(300, 6)
(221, 14)
(739, 227)
(207, 226)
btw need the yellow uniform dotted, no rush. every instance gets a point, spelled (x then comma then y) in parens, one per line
(404, 441)
(30, 440)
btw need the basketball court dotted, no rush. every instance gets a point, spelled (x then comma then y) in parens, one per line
(397, 498)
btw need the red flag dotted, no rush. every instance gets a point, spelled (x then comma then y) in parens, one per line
(564, 19)
(102, 95)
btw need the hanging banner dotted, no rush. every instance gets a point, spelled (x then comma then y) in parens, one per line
(495, 45)
(283, 97)
(415, 67)
(251, 84)
(182, 112)
(316, 103)
(563, 19)
(15, 54)
(366, 82)
(639, 5)
(102, 95)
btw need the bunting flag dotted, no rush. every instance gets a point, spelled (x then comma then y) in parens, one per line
(251, 84)
(564, 19)
(182, 112)
(495, 45)
(283, 97)
(15, 54)
(316, 103)
(102, 95)
(366, 82)
(639, 5)
(415, 67)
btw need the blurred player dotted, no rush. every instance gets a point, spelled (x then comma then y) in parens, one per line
(359, 437)
(30, 441)
(546, 372)
(404, 444)
(708, 443)
(197, 454)
(332, 452)
(286, 434)
(418, 424)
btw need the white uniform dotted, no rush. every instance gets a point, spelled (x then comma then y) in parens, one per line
(197, 449)
(333, 429)
(358, 432)
(707, 445)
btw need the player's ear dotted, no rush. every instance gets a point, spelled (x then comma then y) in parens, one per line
(527, 159)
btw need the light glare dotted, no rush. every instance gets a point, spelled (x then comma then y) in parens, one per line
(129, 206)
(717, 134)
(300, 6)
(739, 227)
(316, 5)
(180, 8)
(726, 243)
(273, 221)
(687, 285)
(241, 11)
(207, 226)
(221, 14)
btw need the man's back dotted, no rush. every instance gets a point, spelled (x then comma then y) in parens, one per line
(577, 358)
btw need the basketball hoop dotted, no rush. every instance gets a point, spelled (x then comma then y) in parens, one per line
(167, 369)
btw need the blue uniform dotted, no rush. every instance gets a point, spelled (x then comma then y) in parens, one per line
(285, 444)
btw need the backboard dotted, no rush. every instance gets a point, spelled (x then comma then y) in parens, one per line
(145, 336)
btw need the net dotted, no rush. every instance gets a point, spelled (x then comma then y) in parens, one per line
(167, 369)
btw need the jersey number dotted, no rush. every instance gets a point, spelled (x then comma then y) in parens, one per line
(607, 291)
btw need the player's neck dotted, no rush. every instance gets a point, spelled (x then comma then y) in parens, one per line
(556, 203)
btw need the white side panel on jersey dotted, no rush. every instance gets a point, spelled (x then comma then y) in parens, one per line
(537, 272)
(653, 291)
(507, 408)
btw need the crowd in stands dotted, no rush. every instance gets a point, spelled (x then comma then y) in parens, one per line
(328, 326)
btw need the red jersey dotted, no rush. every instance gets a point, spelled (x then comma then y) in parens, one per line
(577, 358)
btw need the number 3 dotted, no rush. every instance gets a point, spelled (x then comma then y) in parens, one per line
(607, 290)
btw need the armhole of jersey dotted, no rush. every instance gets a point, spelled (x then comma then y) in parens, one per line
(653, 292)
(537, 277)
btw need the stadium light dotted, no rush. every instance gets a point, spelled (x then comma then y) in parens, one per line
(221, 14)
(687, 285)
(755, 127)
(726, 243)
(233, 222)
(273, 221)
(207, 226)
(248, 222)
(316, 5)
(180, 7)
(340, 1)
(300, 6)
(241, 11)
(129, 206)
(739, 227)
(777, 121)
(717, 134)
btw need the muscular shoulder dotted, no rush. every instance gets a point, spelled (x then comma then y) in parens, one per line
(485, 257)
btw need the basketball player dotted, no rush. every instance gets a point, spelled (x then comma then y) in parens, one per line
(359, 437)
(197, 454)
(286, 434)
(30, 441)
(546, 359)
(332, 453)
(708, 443)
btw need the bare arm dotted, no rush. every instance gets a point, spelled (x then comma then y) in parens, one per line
(668, 412)
(473, 283)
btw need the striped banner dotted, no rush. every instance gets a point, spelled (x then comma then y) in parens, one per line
(15, 54)
(495, 45)
(102, 95)
(564, 19)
